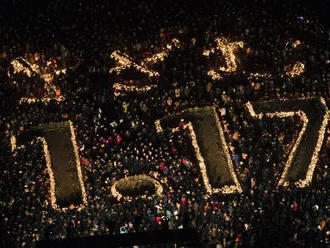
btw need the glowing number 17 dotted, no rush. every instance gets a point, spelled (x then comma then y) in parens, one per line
(211, 149)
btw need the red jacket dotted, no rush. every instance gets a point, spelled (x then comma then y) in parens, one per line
(119, 139)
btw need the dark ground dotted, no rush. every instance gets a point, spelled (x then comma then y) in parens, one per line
(318, 7)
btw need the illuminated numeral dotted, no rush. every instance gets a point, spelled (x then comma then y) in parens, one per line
(304, 155)
(59, 162)
(209, 146)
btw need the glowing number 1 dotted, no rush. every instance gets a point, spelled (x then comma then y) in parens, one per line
(209, 145)
(66, 187)
(303, 157)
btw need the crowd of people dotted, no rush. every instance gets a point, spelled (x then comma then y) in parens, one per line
(116, 133)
